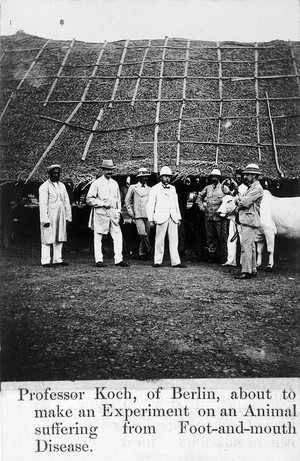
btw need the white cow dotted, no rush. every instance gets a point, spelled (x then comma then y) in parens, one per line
(278, 216)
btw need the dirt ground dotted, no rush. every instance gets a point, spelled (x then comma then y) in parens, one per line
(82, 322)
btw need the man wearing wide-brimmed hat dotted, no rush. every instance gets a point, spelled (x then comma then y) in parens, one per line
(55, 212)
(136, 200)
(163, 212)
(105, 199)
(248, 207)
(209, 200)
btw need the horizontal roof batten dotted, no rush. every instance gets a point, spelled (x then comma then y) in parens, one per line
(154, 77)
(287, 98)
(204, 47)
(215, 143)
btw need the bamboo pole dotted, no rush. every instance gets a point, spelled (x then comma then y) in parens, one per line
(58, 134)
(119, 74)
(183, 101)
(156, 129)
(59, 72)
(221, 101)
(140, 73)
(13, 94)
(100, 114)
(257, 102)
(97, 101)
(273, 139)
(154, 77)
(228, 144)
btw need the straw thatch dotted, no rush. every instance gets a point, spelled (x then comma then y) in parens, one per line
(188, 104)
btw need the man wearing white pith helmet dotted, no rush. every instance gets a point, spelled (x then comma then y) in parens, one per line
(248, 207)
(209, 200)
(163, 211)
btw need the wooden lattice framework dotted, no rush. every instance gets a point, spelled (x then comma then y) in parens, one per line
(106, 104)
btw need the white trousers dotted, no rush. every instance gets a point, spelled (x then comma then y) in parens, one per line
(232, 246)
(116, 234)
(161, 229)
(46, 253)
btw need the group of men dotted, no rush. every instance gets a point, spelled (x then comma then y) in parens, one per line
(150, 207)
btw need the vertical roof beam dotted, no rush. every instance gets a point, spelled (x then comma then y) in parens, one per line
(59, 72)
(119, 73)
(140, 73)
(257, 100)
(273, 138)
(24, 78)
(156, 129)
(187, 55)
(221, 100)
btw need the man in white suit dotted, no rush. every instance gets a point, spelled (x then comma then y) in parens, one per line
(136, 200)
(163, 211)
(105, 199)
(55, 212)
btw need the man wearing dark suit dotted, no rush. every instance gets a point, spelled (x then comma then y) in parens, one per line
(136, 200)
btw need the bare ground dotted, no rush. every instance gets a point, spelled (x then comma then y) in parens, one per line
(81, 322)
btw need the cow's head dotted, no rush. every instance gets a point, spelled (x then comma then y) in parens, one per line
(228, 205)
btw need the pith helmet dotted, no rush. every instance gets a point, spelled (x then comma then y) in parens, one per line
(215, 172)
(55, 165)
(252, 168)
(107, 164)
(143, 172)
(165, 171)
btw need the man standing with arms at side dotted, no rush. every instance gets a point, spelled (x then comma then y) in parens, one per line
(136, 200)
(248, 207)
(209, 201)
(55, 212)
(163, 211)
(105, 199)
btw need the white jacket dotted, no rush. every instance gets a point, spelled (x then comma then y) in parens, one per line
(163, 204)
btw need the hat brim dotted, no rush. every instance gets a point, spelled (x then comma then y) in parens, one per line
(107, 167)
(252, 172)
(143, 174)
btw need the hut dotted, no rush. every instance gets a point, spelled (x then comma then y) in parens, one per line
(188, 104)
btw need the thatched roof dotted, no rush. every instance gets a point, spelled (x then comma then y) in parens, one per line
(188, 104)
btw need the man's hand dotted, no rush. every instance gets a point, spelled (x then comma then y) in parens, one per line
(179, 222)
(107, 204)
(152, 223)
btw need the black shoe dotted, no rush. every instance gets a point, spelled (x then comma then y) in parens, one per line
(122, 264)
(156, 265)
(181, 265)
(99, 264)
(143, 257)
(46, 265)
(243, 276)
(61, 264)
(254, 274)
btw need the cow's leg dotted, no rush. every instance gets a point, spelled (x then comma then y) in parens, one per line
(270, 240)
(259, 249)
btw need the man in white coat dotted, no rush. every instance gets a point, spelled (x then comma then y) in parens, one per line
(105, 199)
(55, 212)
(136, 200)
(163, 211)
